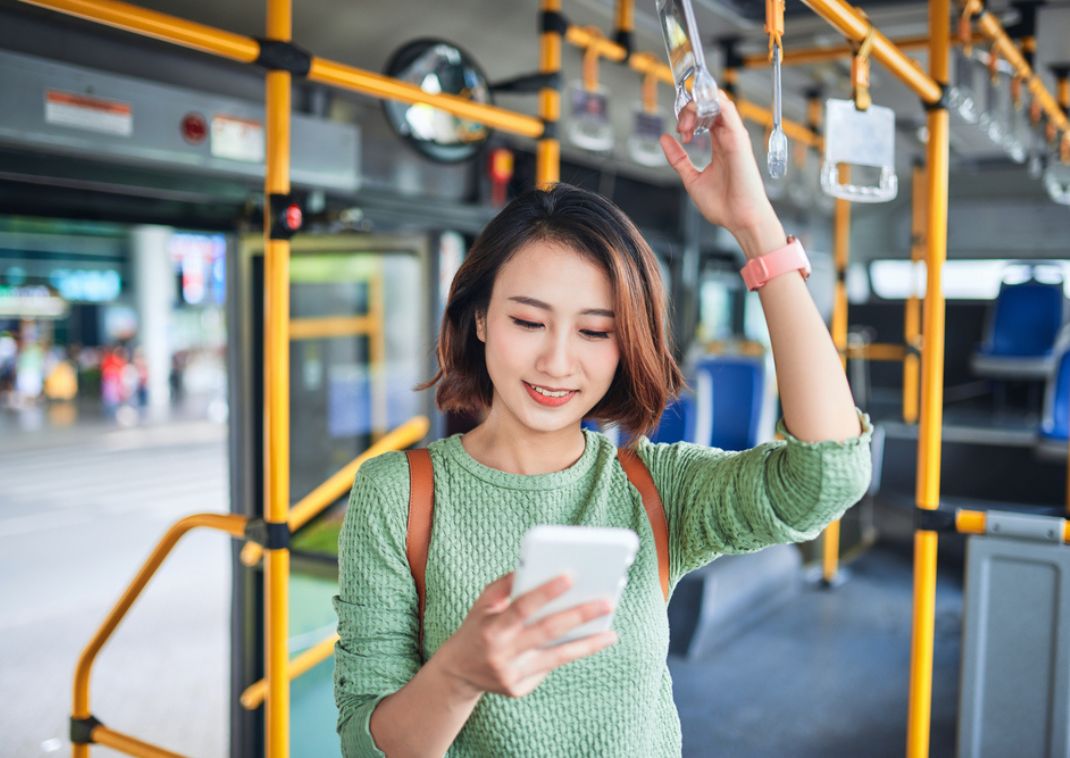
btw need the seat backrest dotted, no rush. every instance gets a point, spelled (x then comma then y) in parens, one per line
(677, 423)
(1056, 420)
(1027, 319)
(729, 391)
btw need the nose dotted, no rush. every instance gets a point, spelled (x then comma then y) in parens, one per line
(556, 358)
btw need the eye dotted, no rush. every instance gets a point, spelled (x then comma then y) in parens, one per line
(595, 335)
(525, 324)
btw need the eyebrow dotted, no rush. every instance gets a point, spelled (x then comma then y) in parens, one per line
(544, 306)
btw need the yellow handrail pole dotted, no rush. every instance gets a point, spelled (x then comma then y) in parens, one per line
(255, 693)
(548, 148)
(160, 26)
(847, 19)
(932, 398)
(912, 311)
(233, 525)
(625, 20)
(316, 501)
(124, 743)
(277, 391)
(841, 242)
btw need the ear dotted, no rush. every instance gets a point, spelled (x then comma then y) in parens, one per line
(481, 327)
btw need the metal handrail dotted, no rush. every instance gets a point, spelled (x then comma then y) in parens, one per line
(257, 692)
(319, 499)
(232, 524)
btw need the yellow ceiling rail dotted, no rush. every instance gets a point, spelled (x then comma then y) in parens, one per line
(256, 692)
(161, 26)
(759, 114)
(590, 39)
(804, 56)
(315, 502)
(232, 524)
(848, 20)
(238, 47)
(368, 83)
(1004, 45)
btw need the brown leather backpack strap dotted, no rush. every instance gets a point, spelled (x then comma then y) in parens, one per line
(421, 510)
(640, 477)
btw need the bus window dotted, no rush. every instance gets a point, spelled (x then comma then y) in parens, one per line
(963, 279)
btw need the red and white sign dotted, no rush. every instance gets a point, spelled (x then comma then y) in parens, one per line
(239, 139)
(90, 113)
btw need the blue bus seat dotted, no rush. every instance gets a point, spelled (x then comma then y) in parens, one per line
(1021, 332)
(1055, 423)
(730, 394)
(677, 423)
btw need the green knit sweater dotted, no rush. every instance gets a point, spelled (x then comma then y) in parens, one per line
(619, 701)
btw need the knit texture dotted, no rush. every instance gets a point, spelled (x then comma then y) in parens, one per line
(617, 702)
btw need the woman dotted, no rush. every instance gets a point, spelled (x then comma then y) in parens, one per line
(557, 315)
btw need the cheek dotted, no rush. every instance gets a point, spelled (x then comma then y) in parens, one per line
(503, 351)
(608, 360)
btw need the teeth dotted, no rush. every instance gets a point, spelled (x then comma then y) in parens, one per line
(548, 393)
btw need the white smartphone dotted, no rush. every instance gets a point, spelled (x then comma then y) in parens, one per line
(597, 558)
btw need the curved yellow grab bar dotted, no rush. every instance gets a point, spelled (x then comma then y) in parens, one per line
(315, 502)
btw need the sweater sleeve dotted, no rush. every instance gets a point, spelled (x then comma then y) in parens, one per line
(377, 652)
(719, 502)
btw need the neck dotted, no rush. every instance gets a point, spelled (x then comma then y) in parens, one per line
(524, 451)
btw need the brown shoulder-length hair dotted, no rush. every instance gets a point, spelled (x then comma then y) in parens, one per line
(647, 376)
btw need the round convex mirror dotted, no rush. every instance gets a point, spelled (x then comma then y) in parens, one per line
(437, 67)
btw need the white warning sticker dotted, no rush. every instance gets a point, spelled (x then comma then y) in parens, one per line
(239, 139)
(90, 113)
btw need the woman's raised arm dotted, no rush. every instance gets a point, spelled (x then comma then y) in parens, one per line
(813, 388)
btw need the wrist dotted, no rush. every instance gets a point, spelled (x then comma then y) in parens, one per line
(458, 690)
(761, 238)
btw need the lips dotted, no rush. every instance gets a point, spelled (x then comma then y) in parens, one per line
(551, 402)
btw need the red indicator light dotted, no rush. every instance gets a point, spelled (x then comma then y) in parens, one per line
(194, 128)
(293, 217)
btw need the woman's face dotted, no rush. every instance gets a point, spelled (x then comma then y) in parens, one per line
(549, 330)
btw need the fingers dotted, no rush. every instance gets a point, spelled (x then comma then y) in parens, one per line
(548, 660)
(558, 624)
(685, 123)
(678, 159)
(495, 596)
(527, 604)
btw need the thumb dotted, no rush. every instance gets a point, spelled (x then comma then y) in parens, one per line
(678, 159)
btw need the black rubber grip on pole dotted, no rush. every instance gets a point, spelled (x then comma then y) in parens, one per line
(549, 130)
(624, 38)
(942, 103)
(528, 84)
(283, 56)
(936, 520)
(82, 730)
(278, 535)
(553, 21)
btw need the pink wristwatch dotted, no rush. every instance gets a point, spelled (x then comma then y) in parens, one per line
(760, 270)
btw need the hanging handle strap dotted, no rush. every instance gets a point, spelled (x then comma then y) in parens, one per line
(639, 476)
(421, 509)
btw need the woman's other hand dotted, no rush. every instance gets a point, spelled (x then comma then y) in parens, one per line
(496, 650)
(729, 192)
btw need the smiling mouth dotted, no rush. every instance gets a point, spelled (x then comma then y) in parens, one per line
(551, 392)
